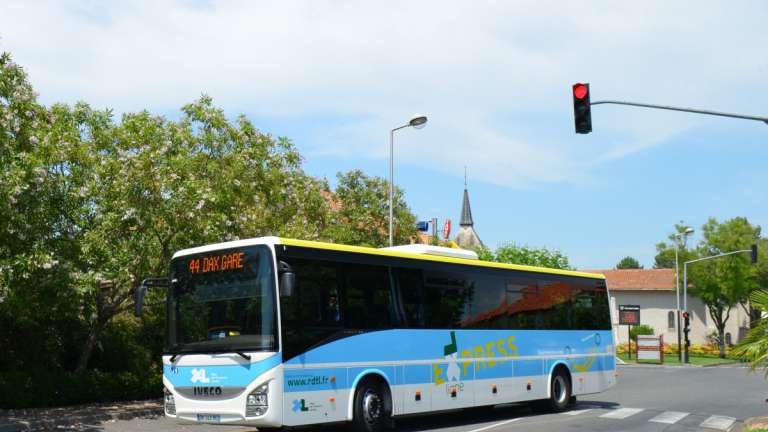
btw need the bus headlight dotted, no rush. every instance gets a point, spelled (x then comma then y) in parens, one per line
(170, 404)
(257, 402)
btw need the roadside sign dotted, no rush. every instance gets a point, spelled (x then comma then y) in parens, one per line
(447, 229)
(629, 315)
(650, 348)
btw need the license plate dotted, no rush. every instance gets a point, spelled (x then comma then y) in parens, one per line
(211, 418)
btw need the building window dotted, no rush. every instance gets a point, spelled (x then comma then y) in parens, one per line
(671, 319)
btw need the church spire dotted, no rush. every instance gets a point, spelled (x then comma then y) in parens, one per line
(466, 211)
(467, 237)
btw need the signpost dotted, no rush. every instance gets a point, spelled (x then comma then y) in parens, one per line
(650, 348)
(629, 315)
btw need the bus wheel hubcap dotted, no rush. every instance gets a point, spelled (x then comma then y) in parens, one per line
(371, 406)
(558, 389)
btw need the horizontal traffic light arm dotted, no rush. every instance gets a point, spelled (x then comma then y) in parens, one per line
(721, 255)
(690, 110)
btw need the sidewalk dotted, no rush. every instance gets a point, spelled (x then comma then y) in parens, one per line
(76, 417)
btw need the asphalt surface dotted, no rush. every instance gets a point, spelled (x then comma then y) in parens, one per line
(647, 399)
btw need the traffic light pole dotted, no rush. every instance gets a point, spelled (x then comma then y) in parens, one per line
(690, 110)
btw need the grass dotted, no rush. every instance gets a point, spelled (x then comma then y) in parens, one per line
(672, 360)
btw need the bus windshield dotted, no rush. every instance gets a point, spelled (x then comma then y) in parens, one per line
(223, 301)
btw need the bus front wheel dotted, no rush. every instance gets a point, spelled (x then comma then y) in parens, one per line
(372, 406)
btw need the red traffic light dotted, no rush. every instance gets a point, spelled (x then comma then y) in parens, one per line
(686, 315)
(580, 91)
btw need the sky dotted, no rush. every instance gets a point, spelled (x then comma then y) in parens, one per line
(494, 79)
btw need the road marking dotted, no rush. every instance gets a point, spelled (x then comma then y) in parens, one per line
(669, 417)
(622, 413)
(577, 412)
(718, 422)
(484, 428)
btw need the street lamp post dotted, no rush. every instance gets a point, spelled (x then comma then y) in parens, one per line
(417, 122)
(684, 236)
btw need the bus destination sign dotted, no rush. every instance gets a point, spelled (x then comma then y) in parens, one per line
(629, 314)
(217, 263)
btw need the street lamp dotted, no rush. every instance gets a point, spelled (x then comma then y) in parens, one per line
(684, 236)
(416, 122)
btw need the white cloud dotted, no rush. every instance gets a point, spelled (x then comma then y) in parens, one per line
(494, 77)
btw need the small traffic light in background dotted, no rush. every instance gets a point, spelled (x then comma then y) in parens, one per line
(754, 254)
(686, 321)
(582, 113)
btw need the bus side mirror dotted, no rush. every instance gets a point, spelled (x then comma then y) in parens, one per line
(142, 289)
(287, 279)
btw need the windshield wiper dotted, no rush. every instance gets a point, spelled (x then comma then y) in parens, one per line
(241, 354)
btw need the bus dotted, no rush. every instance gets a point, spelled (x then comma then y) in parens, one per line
(274, 332)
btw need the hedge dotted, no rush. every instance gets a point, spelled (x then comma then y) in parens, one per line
(58, 388)
(706, 350)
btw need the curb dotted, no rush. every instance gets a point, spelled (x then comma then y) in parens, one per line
(27, 425)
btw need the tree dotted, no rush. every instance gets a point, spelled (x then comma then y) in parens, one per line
(724, 283)
(35, 239)
(156, 186)
(526, 255)
(361, 215)
(628, 263)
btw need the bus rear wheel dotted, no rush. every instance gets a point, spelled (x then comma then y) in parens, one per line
(560, 395)
(559, 391)
(372, 407)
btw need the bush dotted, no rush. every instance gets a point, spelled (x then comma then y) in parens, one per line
(698, 350)
(58, 388)
(640, 330)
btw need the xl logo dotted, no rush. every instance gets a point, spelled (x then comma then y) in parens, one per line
(198, 375)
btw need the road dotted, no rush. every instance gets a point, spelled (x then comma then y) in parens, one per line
(647, 399)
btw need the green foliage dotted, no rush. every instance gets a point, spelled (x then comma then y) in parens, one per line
(525, 255)
(754, 347)
(640, 330)
(91, 204)
(56, 388)
(362, 217)
(725, 282)
(628, 263)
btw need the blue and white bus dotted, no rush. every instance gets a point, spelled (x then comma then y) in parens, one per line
(275, 332)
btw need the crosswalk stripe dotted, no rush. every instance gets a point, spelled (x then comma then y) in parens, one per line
(577, 412)
(718, 422)
(622, 413)
(669, 417)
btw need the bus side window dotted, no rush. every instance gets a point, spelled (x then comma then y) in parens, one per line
(368, 298)
(446, 299)
(410, 285)
(590, 306)
(487, 307)
(317, 294)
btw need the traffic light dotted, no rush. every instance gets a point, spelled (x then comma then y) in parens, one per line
(582, 113)
(686, 321)
(754, 254)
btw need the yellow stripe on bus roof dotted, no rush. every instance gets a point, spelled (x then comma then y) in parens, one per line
(425, 257)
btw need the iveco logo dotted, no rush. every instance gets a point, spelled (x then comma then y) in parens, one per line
(207, 391)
